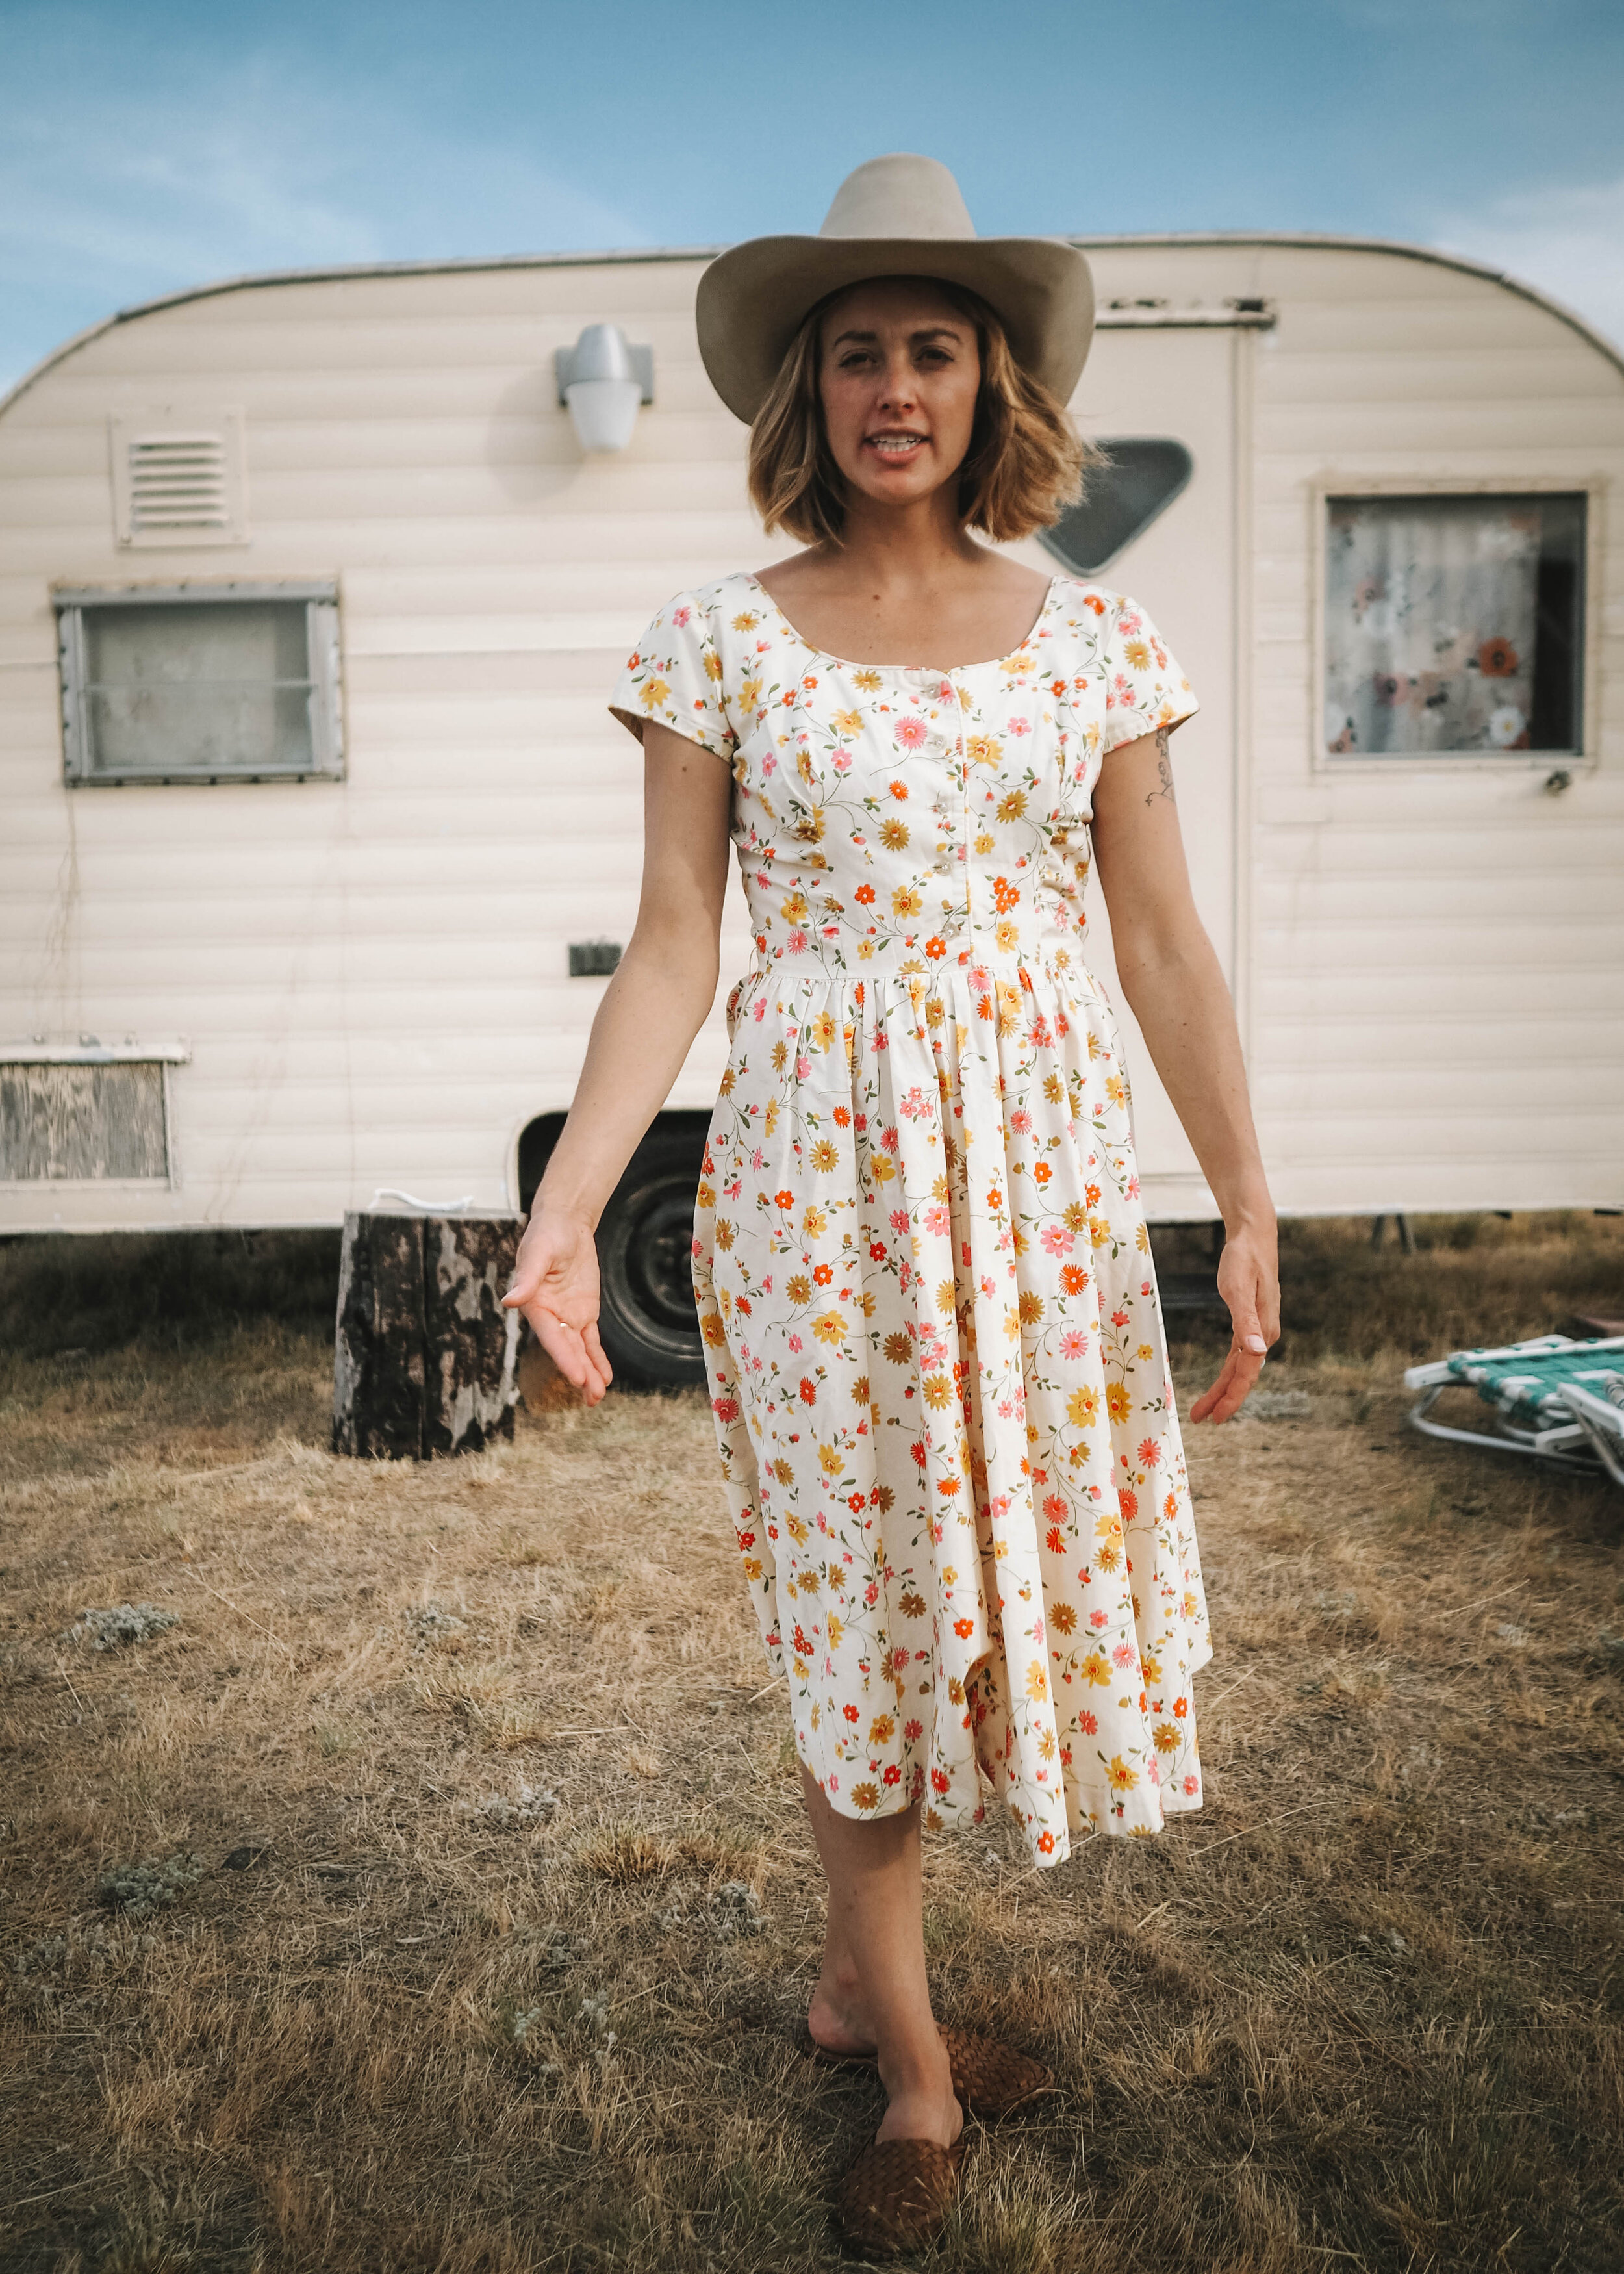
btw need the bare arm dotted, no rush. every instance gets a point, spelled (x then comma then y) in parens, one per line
(1175, 989)
(652, 1008)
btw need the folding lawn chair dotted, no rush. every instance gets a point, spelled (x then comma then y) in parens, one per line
(1552, 1398)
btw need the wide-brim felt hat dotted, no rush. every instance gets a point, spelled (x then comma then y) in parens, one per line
(897, 216)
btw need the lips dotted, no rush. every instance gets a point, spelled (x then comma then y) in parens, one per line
(896, 445)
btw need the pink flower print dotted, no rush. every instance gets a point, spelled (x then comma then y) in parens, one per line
(843, 762)
(1072, 1347)
(1124, 1656)
(987, 1286)
(803, 1068)
(1018, 726)
(1193, 1785)
(680, 617)
(1119, 1317)
(1096, 1619)
(910, 731)
(898, 1221)
(1088, 1725)
(758, 1161)
(769, 765)
(1021, 1122)
(796, 1345)
(1152, 1772)
(796, 943)
(916, 1106)
(1057, 1241)
(761, 1009)
(1150, 1452)
(936, 1222)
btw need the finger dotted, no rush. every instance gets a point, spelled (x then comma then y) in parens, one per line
(594, 1351)
(562, 1344)
(1241, 1379)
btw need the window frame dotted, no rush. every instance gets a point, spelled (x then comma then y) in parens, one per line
(166, 1056)
(1586, 756)
(323, 662)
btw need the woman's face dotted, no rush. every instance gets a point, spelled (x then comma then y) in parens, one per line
(898, 372)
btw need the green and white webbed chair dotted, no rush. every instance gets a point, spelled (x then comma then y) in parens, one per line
(1552, 1398)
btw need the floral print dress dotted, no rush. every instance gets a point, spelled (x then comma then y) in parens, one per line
(935, 1352)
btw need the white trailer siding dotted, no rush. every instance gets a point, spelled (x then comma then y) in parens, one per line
(370, 973)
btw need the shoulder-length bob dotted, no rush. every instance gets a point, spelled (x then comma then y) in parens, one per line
(1025, 464)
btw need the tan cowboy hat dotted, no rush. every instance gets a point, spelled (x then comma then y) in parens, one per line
(896, 216)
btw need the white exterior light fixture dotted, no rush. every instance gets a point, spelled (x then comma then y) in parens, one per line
(604, 378)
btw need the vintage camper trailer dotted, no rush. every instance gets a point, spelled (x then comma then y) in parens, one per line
(318, 836)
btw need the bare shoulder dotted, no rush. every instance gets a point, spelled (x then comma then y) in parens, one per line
(811, 571)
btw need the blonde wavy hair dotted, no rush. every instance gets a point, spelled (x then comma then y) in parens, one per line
(1025, 465)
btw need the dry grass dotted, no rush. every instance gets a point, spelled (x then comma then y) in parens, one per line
(1362, 2012)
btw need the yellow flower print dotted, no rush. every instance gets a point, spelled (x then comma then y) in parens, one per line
(824, 1155)
(837, 1630)
(712, 1330)
(1037, 1682)
(1117, 1402)
(749, 694)
(1083, 1409)
(893, 834)
(1135, 655)
(799, 1288)
(713, 664)
(832, 1460)
(830, 1328)
(849, 722)
(1123, 1778)
(869, 682)
(724, 1232)
(898, 1349)
(821, 1030)
(865, 1796)
(881, 1729)
(654, 695)
(983, 749)
(814, 1223)
(1098, 1672)
(1012, 805)
(746, 621)
(938, 1391)
(904, 901)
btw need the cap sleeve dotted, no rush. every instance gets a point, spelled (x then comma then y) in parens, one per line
(675, 678)
(1143, 687)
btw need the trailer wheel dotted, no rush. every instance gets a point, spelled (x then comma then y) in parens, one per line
(647, 1318)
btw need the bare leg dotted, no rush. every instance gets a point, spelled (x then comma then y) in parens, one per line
(872, 1992)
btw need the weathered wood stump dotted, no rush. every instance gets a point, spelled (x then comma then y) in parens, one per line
(424, 1355)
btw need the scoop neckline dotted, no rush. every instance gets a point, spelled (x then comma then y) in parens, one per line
(916, 670)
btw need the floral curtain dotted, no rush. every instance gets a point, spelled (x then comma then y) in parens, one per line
(1430, 623)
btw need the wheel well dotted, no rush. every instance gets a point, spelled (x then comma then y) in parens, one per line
(539, 1137)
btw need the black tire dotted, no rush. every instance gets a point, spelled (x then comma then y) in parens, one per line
(647, 1318)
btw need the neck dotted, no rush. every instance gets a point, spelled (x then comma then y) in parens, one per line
(901, 547)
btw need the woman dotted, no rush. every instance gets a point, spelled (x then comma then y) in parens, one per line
(935, 1353)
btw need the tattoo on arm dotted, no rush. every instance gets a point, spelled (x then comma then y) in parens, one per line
(1164, 769)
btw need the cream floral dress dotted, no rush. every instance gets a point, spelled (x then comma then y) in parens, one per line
(935, 1349)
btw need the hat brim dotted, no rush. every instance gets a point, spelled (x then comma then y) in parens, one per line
(752, 300)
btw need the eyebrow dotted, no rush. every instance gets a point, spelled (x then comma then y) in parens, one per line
(924, 332)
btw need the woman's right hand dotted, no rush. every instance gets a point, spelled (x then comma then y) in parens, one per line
(555, 1287)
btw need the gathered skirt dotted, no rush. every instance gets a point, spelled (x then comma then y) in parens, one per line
(938, 1370)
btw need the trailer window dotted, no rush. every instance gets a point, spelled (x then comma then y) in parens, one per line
(200, 684)
(1140, 478)
(1454, 625)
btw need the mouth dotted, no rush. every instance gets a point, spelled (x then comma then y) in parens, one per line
(898, 445)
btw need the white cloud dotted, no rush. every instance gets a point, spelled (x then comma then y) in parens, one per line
(1566, 240)
(117, 184)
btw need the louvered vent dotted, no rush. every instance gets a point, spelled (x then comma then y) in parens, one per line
(180, 483)
(177, 481)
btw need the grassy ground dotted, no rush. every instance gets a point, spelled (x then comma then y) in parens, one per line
(502, 1915)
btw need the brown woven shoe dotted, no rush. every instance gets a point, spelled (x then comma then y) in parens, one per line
(990, 2078)
(895, 2196)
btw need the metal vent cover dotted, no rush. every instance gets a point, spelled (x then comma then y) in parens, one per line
(179, 482)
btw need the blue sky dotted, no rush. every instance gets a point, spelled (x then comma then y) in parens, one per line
(153, 143)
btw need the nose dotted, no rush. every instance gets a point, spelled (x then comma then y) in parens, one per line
(899, 392)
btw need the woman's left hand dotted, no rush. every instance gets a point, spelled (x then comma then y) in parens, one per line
(1249, 1281)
